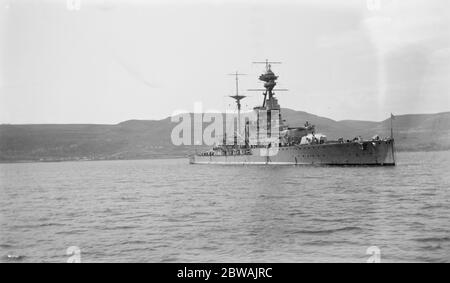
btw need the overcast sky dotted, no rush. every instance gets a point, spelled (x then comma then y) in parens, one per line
(115, 60)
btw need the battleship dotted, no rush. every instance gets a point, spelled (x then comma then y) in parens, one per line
(274, 142)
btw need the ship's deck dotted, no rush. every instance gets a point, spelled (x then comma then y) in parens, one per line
(329, 153)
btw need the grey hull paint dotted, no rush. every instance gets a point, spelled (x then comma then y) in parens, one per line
(376, 153)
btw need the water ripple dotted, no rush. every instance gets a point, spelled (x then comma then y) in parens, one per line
(168, 211)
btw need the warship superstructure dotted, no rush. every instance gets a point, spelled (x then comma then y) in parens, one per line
(273, 141)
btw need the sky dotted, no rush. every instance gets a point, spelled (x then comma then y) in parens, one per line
(107, 61)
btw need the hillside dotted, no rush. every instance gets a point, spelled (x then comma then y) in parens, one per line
(139, 139)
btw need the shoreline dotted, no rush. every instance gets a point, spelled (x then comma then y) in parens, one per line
(89, 160)
(156, 158)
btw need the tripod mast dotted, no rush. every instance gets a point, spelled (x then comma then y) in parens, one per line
(269, 79)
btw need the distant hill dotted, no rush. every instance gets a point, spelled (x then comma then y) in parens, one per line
(141, 139)
(413, 132)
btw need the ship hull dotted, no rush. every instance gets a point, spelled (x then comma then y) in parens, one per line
(369, 153)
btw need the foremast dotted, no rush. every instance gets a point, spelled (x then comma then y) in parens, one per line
(270, 103)
(264, 113)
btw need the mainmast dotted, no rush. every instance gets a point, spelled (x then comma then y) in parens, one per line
(238, 98)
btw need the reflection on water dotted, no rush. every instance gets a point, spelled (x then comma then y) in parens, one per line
(168, 210)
